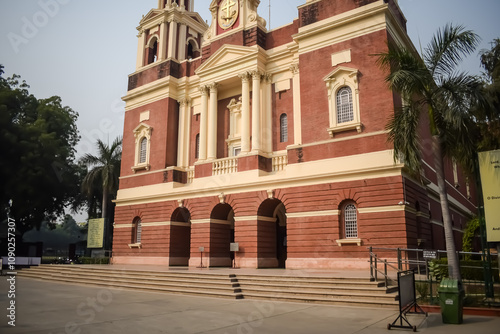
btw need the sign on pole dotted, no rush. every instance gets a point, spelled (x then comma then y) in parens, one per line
(95, 235)
(489, 167)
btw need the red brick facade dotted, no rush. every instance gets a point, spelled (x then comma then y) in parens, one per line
(287, 202)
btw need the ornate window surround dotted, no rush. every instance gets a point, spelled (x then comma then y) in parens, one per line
(140, 132)
(234, 139)
(341, 77)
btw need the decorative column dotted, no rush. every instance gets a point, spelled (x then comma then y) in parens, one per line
(256, 77)
(182, 41)
(212, 123)
(140, 49)
(203, 123)
(245, 112)
(162, 45)
(297, 128)
(180, 137)
(172, 37)
(187, 131)
(184, 132)
(267, 114)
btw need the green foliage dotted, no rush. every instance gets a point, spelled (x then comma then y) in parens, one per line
(94, 260)
(437, 271)
(422, 289)
(37, 167)
(469, 234)
(488, 115)
(471, 269)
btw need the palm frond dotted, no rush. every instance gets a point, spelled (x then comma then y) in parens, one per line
(403, 133)
(448, 48)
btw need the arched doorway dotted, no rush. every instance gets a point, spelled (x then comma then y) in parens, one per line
(271, 234)
(221, 235)
(180, 237)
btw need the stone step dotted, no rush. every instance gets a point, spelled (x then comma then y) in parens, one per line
(215, 290)
(308, 289)
(363, 302)
(353, 288)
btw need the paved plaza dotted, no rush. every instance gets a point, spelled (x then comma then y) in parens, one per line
(57, 308)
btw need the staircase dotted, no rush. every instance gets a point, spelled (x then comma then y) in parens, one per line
(308, 289)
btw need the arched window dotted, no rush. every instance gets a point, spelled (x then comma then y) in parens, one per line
(153, 52)
(143, 150)
(350, 221)
(283, 128)
(344, 105)
(136, 231)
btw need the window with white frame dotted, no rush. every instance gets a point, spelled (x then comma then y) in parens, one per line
(344, 105)
(136, 236)
(350, 221)
(343, 100)
(142, 134)
(143, 150)
(283, 128)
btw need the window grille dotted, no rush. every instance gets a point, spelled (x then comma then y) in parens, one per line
(138, 231)
(351, 221)
(283, 128)
(197, 146)
(345, 111)
(142, 150)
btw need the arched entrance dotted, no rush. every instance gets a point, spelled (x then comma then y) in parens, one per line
(221, 235)
(271, 234)
(180, 237)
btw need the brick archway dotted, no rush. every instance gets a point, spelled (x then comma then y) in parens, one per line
(180, 237)
(272, 235)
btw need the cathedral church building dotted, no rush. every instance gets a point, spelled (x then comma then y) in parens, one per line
(268, 148)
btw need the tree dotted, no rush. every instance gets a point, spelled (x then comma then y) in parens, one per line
(432, 87)
(38, 172)
(487, 117)
(103, 175)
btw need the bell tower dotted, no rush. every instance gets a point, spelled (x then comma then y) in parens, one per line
(172, 31)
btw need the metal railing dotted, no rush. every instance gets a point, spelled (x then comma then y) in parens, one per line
(385, 263)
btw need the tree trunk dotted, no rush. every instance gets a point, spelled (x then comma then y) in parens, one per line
(104, 214)
(453, 263)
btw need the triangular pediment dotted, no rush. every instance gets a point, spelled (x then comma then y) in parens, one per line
(341, 70)
(231, 56)
(152, 14)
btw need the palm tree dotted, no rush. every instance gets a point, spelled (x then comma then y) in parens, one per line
(434, 89)
(104, 173)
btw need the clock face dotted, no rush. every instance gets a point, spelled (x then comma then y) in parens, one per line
(228, 13)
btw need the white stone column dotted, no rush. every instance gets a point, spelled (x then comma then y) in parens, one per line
(141, 49)
(212, 123)
(182, 41)
(203, 124)
(172, 36)
(162, 45)
(267, 114)
(297, 126)
(187, 132)
(256, 77)
(181, 134)
(182, 4)
(245, 112)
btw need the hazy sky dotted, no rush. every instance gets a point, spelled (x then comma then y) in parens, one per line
(83, 50)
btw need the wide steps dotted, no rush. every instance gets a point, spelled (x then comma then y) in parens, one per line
(306, 289)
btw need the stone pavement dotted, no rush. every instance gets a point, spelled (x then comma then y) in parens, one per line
(56, 308)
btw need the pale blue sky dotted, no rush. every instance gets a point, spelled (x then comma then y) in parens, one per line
(83, 50)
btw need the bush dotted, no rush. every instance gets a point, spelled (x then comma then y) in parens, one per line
(470, 269)
(94, 260)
